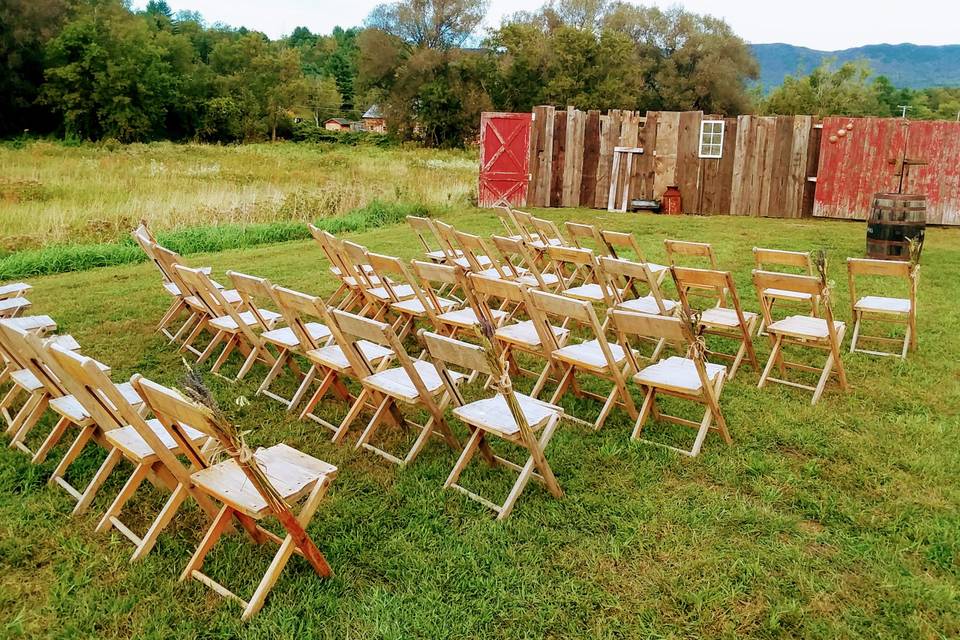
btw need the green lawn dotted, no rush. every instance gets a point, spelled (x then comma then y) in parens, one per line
(839, 520)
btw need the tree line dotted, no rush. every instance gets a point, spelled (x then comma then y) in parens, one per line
(94, 69)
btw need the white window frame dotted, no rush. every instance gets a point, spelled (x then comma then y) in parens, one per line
(715, 146)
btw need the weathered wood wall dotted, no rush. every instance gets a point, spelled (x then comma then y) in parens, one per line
(763, 169)
(863, 161)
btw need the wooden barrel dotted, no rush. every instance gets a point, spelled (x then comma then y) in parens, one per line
(894, 218)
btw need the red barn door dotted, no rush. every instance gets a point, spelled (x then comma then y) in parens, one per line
(504, 159)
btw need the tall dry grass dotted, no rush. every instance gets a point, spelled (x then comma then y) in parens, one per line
(56, 194)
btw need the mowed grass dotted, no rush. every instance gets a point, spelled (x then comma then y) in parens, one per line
(51, 194)
(834, 521)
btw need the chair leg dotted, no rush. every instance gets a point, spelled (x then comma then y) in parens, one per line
(72, 453)
(30, 420)
(465, 456)
(275, 370)
(645, 409)
(160, 523)
(52, 439)
(302, 389)
(516, 490)
(206, 353)
(219, 525)
(824, 377)
(774, 355)
(228, 348)
(355, 410)
(856, 332)
(129, 488)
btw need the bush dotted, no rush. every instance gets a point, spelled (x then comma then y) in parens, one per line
(309, 132)
(64, 258)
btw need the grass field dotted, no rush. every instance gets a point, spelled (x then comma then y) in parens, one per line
(55, 194)
(835, 521)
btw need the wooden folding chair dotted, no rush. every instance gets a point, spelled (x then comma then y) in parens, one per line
(522, 335)
(689, 378)
(823, 333)
(285, 476)
(625, 280)
(344, 295)
(615, 243)
(455, 252)
(409, 309)
(799, 261)
(481, 260)
(884, 308)
(112, 416)
(577, 270)
(722, 316)
(549, 234)
(39, 325)
(14, 371)
(581, 235)
(526, 227)
(13, 301)
(328, 363)
(302, 334)
(233, 325)
(435, 277)
(146, 240)
(517, 254)
(426, 231)
(594, 356)
(492, 416)
(415, 383)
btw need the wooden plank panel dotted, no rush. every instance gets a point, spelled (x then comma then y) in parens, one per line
(739, 184)
(646, 162)
(545, 118)
(591, 159)
(778, 169)
(603, 164)
(666, 158)
(717, 174)
(938, 144)
(813, 159)
(559, 158)
(688, 159)
(796, 178)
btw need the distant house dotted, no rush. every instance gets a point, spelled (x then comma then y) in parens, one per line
(337, 124)
(373, 120)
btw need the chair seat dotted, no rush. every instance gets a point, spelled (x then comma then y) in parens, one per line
(484, 261)
(350, 281)
(549, 279)
(171, 288)
(880, 304)
(413, 306)
(11, 306)
(232, 296)
(724, 317)
(647, 305)
(291, 472)
(678, 374)
(590, 355)
(333, 357)
(227, 323)
(14, 289)
(70, 408)
(493, 414)
(24, 379)
(40, 324)
(397, 384)
(786, 294)
(286, 338)
(402, 291)
(440, 255)
(129, 441)
(468, 318)
(337, 271)
(656, 269)
(805, 327)
(540, 244)
(589, 292)
(525, 333)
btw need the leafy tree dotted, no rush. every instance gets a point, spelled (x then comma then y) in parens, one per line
(321, 98)
(844, 90)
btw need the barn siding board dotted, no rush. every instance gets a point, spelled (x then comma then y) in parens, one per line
(687, 176)
(666, 157)
(591, 157)
(559, 148)
(543, 120)
(796, 178)
(741, 149)
(603, 164)
(646, 162)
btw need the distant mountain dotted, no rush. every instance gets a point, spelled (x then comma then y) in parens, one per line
(907, 65)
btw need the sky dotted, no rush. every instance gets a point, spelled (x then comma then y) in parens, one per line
(818, 24)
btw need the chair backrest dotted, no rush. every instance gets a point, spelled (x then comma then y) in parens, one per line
(684, 249)
(252, 290)
(426, 232)
(524, 222)
(323, 239)
(549, 232)
(514, 293)
(622, 274)
(517, 254)
(765, 258)
(548, 305)
(451, 351)
(297, 309)
(714, 285)
(614, 240)
(17, 343)
(89, 385)
(670, 329)
(146, 240)
(581, 234)
(473, 246)
(811, 285)
(167, 261)
(505, 215)
(572, 265)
